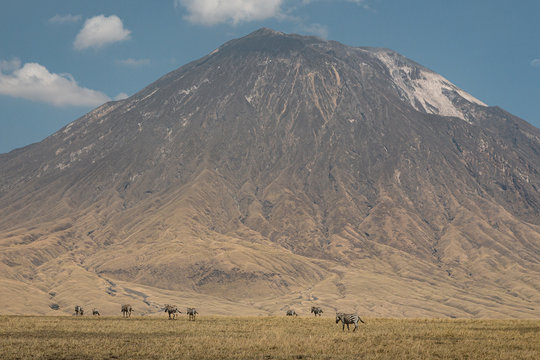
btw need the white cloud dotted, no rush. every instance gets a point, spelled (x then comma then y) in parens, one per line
(34, 82)
(121, 96)
(211, 12)
(100, 31)
(133, 62)
(535, 63)
(9, 65)
(62, 19)
(315, 29)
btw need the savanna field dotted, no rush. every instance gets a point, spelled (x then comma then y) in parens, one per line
(220, 337)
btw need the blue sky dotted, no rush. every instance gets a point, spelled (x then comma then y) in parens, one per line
(61, 58)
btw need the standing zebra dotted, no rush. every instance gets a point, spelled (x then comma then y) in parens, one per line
(347, 319)
(78, 310)
(191, 313)
(316, 310)
(126, 310)
(291, 313)
(95, 311)
(172, 310)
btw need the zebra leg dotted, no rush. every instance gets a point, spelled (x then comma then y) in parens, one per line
(348, 329)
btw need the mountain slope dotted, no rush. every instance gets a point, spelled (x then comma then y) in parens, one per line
(277, 171)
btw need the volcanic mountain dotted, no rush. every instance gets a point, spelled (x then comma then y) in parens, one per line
(279, 171)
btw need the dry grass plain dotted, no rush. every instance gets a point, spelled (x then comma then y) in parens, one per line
(220, 337)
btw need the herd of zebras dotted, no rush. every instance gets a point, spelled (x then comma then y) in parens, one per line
(127, 309)
(173, 311)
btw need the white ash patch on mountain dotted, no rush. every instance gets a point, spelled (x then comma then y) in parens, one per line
(135, 101)
(74, 156)
(425, 90)
(62, 166)
(68, 128)
(193, 88)
(147, 96)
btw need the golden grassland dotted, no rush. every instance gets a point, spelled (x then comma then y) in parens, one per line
(220, 337)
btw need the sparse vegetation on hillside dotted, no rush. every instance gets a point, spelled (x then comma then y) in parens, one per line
(264, 338)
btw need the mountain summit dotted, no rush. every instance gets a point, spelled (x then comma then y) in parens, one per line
(280, 171)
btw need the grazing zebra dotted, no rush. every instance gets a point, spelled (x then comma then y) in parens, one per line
(126, 310)
(347, 319)
(172, 310)
(79, 310)
(191, 313)
(316, 310)
(95, 312)
(291, 313)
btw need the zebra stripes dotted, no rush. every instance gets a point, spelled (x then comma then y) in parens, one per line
(172, 310)
(191, 313)
(347, 319)
(79, 310)
(126, 310)
(316, 310)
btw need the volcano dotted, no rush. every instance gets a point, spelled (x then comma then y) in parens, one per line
(279, 171)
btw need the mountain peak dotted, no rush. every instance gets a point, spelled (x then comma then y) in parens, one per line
(264, 31)
(269, 41)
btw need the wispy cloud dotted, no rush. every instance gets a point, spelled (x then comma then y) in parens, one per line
(9, 65)
(535, 63)
(121, 96)
(62, 19)
(212, 12)
(34, 82)
(100, 31)
(133, 62)
(315, 29)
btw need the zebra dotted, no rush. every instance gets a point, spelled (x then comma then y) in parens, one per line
(79, 310)
(316, 310)
(347, 319)
(126, 310)
(191, 313)
(291, 313)
(95, 312)
(172, 310)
